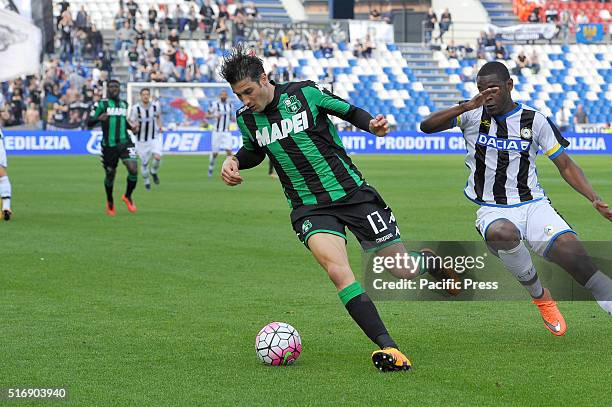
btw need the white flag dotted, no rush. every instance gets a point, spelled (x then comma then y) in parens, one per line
(20, 46)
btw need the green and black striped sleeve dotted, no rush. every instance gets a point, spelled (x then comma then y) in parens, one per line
(96, 112)
(250, 154)
(336, 106)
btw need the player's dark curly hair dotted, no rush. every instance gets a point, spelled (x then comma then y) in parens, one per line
(240, 64)
(495, 68)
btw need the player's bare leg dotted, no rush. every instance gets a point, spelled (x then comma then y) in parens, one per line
(568, 252)
(5, 194)
(155, 168)
(505, 241)
(132, 178)
(330, 251)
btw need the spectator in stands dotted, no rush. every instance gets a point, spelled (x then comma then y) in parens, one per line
(166, 67)
(566, 22)
(562, 118)
(534, 17)
(534, 62)
(239, 28)
(133, 59)
(211, 62)
(580, 116)
(180, 19)
(181, 58)
(375, 15)
(551, 15)
(120, 18)
(124, 37)
(65, 29)
(500, 51)
(32, 115)
(451, 50)
(156, 75)
(6, 118)
(59, 115)
(106, 60)
(445, 23)
(222, 31)
(173, 37)
(95, 42)
(327, 47)
(79, 41)
(582, 18)
(208, 17)
(152, 15)
(429, 25)
(368, 47)
(192, 21)
(251, 10)
(133, 9)
(81, 18)
(521, 62)
(273, 74)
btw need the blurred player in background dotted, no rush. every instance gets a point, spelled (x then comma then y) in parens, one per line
(288, 122)
(221, 112)
(146, 119)
(5, 184)
(112, 112)
(503, 139)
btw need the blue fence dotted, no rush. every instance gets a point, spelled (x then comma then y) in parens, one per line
(184, 142)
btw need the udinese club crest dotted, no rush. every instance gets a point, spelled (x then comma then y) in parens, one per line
(526, 133)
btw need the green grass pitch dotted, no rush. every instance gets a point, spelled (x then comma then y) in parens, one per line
(162, 307)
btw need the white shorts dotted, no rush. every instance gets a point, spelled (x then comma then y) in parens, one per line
(538, 222)
(221, 140)
(2, 154)
(146, 149)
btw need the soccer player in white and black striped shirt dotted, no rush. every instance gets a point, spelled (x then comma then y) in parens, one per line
(5, 184)
(221, 113)
(146, 117)
(502, 139)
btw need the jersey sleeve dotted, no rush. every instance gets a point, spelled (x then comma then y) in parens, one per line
(97, 109)
(133, 113)
(247, 141)
(464, 119)
(328, 101)
(549, 138)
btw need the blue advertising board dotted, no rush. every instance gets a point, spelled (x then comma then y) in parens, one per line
(186, 142)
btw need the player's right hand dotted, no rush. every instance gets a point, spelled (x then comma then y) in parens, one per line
(603, 209)
(479, 99)
(229, 172)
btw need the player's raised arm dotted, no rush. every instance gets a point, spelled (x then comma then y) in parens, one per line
(446, 119)
(96, 115)
(336, 106)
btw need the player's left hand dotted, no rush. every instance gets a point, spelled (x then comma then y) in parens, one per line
(379, 126)
(229, 172)
(603, 208)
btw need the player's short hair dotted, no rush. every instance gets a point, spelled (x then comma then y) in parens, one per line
(115, 81)
(145, 90)
(495, 68)
(241, 64)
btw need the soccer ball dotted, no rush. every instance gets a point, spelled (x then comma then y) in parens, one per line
(278, 344)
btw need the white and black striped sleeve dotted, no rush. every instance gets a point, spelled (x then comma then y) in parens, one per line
(465, 119)
(549, 138)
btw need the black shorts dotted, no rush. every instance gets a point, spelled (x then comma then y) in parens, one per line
(111, 155)
(364, 212)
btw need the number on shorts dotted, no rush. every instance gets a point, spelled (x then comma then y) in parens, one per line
(377, 222)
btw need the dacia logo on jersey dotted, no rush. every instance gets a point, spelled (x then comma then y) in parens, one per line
(503, 144)
(292, 105)
(281, 130)
(116, 111)
(306, 226)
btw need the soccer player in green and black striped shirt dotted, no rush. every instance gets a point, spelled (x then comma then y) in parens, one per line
(116, 144)
(326, 192)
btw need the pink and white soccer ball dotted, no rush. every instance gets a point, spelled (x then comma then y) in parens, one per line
(278, 344)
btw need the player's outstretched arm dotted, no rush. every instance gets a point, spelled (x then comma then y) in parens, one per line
(574, 176)
(445, 119)
(243, 160)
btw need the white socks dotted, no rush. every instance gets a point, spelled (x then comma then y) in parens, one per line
(145, 174)
(5, 192)
(155, 166)
(600, 286)
(518, 262)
